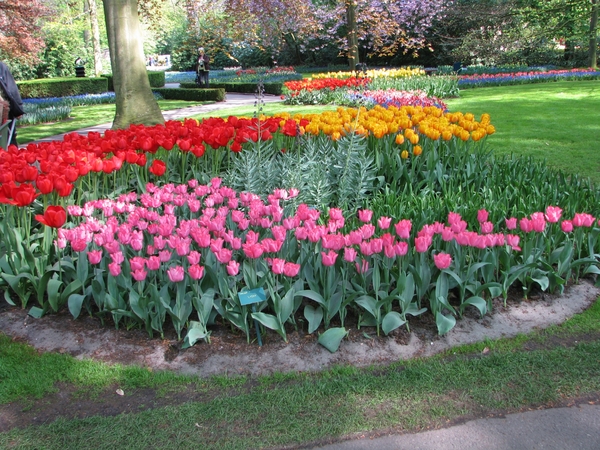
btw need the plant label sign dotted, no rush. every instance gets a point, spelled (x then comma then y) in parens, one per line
(252, 296)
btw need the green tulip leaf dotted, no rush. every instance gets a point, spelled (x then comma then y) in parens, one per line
(444, 323)
(332, 338)
(75, 303)
(314, 317)
(391, 321)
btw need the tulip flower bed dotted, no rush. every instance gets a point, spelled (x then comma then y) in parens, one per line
(467, 81)
(402, 72)
(391, 97)
(138, 226)
(338, 88)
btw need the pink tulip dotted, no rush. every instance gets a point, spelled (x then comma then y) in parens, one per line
(329, 258)
(350, 254)
(333, 242)
(117, 257)
(279, 232)
(389, 251)
(482, 216)
(153, 263)
(581, 220)
(511, 223)
(233, 268)
(513, 240)
(422, 243)
(94, 256)
(139, 274)
(224, 255)
(336, 214)
(252, 250)
(458, 226)
(403, 228)
(277, 265)
(164, 255)
(401, 248)
(301, 233)
(137, 263)
(193, 257)
(252, 237)
(289, 223)
(78, 245)
(525, 225)
(442, 260)
(384, 222)
(538, 222)
(367, 230)
(366, 248)
(353, 238)
(291, 269)
(176, 274)
(553, 214)
(447, 234)
(114, 269)
(566, 226)
(453, 218)
(487, 227)
(196, 271)
(365, 215)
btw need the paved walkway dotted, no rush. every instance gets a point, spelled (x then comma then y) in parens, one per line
(574, 428)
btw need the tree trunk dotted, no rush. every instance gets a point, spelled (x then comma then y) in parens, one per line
(93, 11)
(593, 50)
(135, 103)
(352, 34)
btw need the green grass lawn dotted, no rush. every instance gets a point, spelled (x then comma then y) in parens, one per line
(543, 369)
(557, 121)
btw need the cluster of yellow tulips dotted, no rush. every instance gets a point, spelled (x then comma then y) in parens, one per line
(407, 123)
(373, 73)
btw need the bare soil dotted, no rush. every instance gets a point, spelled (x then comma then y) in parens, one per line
(230, 354)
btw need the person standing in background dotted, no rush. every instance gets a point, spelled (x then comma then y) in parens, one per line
(202, 68)
(9, 91)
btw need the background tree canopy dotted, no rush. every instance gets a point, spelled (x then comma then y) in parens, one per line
(43, 39)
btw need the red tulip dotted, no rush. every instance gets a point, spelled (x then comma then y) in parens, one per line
(158, 168)
(54, 216)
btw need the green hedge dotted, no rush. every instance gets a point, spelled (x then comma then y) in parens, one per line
(243, 88)
(156, 78)
(211, 94)
(62, 87)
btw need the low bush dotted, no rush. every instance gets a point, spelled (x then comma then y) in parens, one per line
(62, 87)
(197, 94)
(156, 78)
(242, 88)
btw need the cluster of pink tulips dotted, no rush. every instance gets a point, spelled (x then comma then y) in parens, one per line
(200, 236)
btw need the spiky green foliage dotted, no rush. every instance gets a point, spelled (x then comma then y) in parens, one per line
(325, 172)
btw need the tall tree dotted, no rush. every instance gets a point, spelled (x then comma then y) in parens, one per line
(93, 13)
(19, 28)
(593, 45)
(573, 21)
(135, 102)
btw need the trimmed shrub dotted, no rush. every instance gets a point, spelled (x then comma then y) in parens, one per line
(242, 88)
(212, 94)
(62, 87)
(156, 78)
